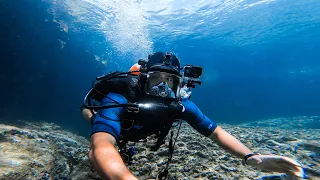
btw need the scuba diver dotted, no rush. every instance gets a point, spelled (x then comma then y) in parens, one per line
(148, 100)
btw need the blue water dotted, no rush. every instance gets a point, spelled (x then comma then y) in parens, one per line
(261, 58)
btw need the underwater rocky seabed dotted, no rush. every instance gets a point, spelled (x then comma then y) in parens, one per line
(45, 151)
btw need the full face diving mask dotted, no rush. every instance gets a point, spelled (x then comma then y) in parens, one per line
(162, 84)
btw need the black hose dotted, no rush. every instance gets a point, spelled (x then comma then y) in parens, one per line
(112, 106)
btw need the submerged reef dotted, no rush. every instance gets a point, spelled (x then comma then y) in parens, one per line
(46, 151)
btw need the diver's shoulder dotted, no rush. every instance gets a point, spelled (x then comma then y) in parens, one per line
(187, 103)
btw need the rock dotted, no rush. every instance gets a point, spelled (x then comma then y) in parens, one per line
(139, 149)
(150, 156)
(314, 172)
(142, 156)
(2, 137)
(196, 169)
(272, 143)
(211, 145)
(201, 154)
(225, 168)
(15, 140)
(143, 160)
(131, 144)
(288, 138)
(146, 169)
(224, 157)
(136, 173)
(213, 153)
(163, 152)
(206, 174)
(181, 144)
(36, 164)
(311, 146)
(185, 169)
(161, 163)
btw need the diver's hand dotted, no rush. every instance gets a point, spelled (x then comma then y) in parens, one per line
(87, 115)
(276, 163)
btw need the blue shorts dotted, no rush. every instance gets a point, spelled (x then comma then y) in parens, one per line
(108, 120)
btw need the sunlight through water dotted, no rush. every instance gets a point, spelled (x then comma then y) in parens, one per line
(132, 26)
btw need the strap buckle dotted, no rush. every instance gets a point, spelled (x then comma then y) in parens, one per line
(133, 109)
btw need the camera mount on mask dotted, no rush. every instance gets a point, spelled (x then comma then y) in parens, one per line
(191, 75)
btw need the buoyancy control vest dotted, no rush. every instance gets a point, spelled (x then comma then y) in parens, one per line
(154, 115)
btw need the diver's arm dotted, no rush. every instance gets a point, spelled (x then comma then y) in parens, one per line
(106, 159)
(229, 143)
(209, 128)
